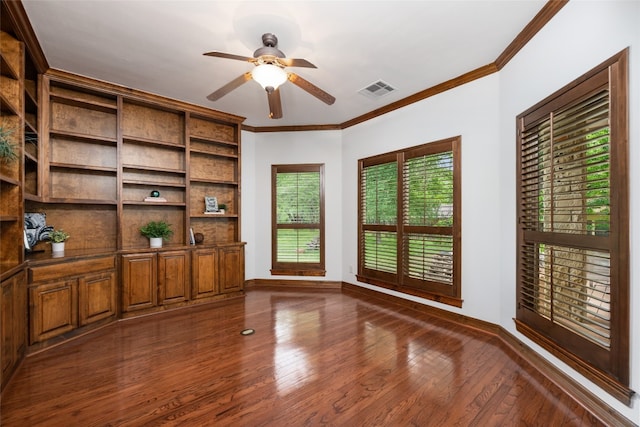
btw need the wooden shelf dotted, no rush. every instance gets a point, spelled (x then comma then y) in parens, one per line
(95, 139)
(9, 218)
(213, 141)
(83, 167)
(148, 168)
(30, 90)
(7, 68)
(139, 140)
(209, 153)
(226, 215)
(8, 180)
(142, 203)
(8, 107)
(29, 157)
(73, 201)
(32, 197)
(213, 181)
(77, 101)
(31, 122)
(153, 184)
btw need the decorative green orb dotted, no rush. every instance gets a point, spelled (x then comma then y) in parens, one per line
(155, 193)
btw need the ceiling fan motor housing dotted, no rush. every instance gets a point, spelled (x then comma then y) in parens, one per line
(270, 41)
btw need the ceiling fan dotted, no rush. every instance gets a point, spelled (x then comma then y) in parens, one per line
(270, 73)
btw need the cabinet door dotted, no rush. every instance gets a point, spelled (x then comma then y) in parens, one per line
(139, 284)
(96, 297)
(173, 276)
(204, 282)
(6, 327)
(54, 309)
(19, 316)
(231, 268)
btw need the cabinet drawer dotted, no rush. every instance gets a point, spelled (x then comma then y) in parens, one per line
(69, 269)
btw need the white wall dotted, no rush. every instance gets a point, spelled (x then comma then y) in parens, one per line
(582, 35)
(248, 201)
(289, 148)
(472, 112)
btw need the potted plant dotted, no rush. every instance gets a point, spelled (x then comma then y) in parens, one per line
(8, 150)
(157, 231)
(222, 207)
(57, 239)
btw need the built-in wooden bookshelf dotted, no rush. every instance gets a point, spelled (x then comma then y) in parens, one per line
(11, 171)
(90, 155)
(104, 149)
(13, 120)
(214, 152)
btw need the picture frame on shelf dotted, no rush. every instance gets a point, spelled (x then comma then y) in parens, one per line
(210, 204)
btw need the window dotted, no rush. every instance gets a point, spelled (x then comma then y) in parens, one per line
(297, 220)
(573, 286)
(409, 221)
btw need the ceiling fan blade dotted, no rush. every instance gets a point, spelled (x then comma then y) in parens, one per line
(275, 105)
(233, 84)
(311, 88)
(295, 62)
(230, 56)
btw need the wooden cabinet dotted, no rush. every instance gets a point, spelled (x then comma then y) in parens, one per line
(204, 273)
(70, 294)
(13, 314)
(231, 267)
(217, 271)
(154, 279)
(53, 309)
(96, 297)
(173, 277)
(139, 281)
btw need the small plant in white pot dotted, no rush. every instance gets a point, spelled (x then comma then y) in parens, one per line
(157, 231)
(57, 239)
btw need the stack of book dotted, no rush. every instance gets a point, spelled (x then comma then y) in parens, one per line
(154, 199)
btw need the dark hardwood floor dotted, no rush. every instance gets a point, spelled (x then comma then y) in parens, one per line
(317, 358)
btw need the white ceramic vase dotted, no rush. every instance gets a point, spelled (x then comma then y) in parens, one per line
(155, 242)
(57, 247)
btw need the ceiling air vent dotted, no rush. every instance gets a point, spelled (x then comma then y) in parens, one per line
(377, 89)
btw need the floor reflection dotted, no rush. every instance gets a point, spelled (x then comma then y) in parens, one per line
(297, 327)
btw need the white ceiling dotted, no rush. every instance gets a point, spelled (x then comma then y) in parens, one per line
(157, 46)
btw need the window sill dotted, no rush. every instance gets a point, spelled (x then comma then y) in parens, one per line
(292, 272)
(444, 299)
(620, 391)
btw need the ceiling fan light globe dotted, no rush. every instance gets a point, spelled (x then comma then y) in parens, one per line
(268, 75)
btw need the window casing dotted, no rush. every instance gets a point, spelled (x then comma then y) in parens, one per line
(409, 221)
(297, 220)
(572, 273)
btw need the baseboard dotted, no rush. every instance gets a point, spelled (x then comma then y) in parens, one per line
(584, 397)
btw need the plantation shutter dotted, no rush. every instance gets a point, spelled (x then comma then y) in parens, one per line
(298, 217)
(571, 198)
(409, 221)
(378, 216)
(428, 201)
